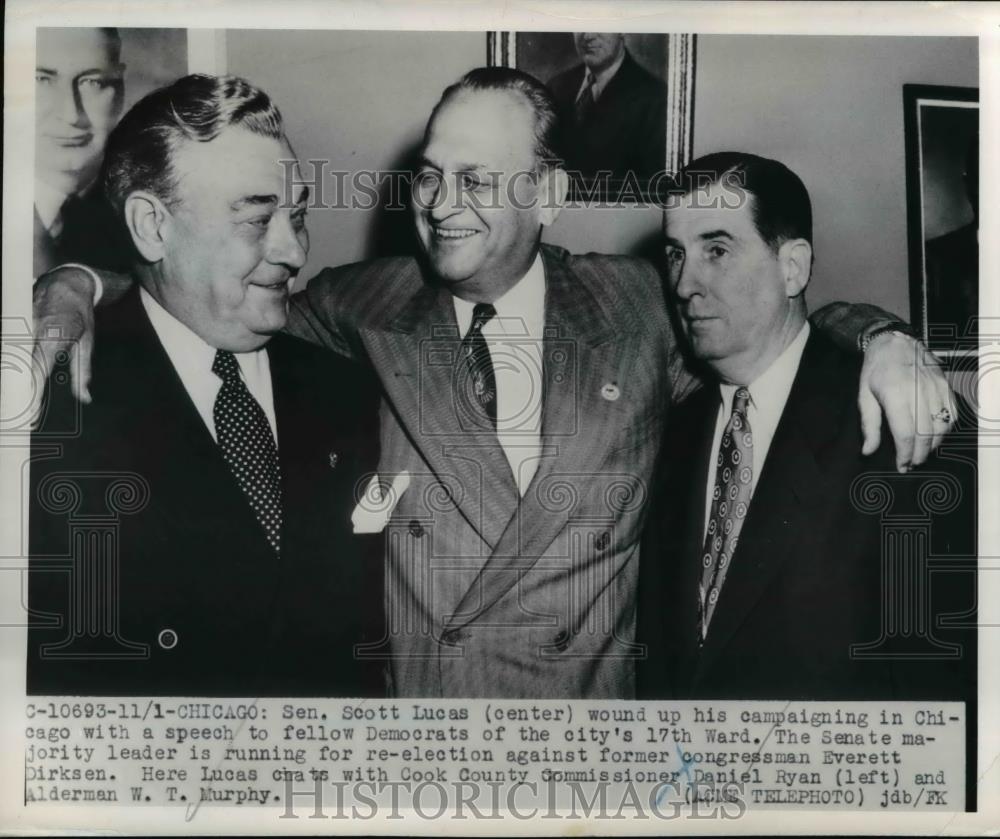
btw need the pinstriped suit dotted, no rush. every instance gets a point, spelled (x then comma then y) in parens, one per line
(488, 593)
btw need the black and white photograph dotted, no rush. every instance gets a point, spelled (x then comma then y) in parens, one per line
(493, 413)
(614, 92)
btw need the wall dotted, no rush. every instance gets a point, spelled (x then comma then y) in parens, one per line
(152, 57)
(831, 108)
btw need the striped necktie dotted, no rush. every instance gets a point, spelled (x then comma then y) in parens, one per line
(477, 380)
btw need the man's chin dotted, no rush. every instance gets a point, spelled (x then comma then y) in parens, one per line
(449, 270)
(258, 335)
(269, 321)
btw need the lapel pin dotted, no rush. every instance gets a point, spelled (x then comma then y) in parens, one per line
(333, 457)
(610, 392)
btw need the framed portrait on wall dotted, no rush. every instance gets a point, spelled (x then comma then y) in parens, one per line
(626, 102)
(942, 189)
(85, 79)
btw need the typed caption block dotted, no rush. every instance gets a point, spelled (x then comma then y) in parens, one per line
(344, 758)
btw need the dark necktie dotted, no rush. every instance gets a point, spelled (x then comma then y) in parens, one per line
(477, 382)
(585, 100)
(247, 444)
(730, 503)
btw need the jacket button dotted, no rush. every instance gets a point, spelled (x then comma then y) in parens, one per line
(416, 529)
(603, 541)
(452, 637)
(167, 639)
(561, 641)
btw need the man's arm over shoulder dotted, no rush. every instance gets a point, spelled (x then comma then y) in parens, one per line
(337, 302)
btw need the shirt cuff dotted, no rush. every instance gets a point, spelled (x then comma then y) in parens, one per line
(98, 285)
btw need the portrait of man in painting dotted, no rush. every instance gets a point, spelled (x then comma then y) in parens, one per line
(611, 89)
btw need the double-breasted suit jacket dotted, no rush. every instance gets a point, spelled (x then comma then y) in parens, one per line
(489, 593)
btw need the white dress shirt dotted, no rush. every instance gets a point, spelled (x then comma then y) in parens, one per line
(768, 395)
(514, 338)
(600, 79)
(48, 204)
(192, 359)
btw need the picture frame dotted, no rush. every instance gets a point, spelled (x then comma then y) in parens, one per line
(639, 129)
(941, 130)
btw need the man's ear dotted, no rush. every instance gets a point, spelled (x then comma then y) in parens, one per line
(795, 257)
(148, 221)
(554, 187)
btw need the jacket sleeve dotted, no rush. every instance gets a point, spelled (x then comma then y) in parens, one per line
(317, 314)
(845, 323)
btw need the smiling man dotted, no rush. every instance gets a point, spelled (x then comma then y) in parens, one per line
(239, 575)
(79, 89)
(524, 393)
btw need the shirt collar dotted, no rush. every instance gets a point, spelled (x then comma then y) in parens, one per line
(521, 308)
(602, 78)
(48, 205)
(769, 391)
(181, 344)
(49, 202)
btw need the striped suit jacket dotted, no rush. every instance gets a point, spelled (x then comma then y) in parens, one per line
(489, 593)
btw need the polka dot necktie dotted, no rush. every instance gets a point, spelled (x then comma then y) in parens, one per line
(247, 444)
(477, 380)
(730, 503)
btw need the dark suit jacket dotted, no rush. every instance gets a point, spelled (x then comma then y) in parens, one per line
(805, 582)
(193, 560)
(625, 130)
(90, 234)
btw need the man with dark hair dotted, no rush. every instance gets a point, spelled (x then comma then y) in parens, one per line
(761, 568)
(524, 393)
(235, 570)
(614, 109)
(79, 89)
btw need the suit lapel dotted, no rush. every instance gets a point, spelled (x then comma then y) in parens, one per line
(300, 434)
(620, 84)
(789, 489)
(160, 390)
(416, 353)
(695, 445)
(576, 436)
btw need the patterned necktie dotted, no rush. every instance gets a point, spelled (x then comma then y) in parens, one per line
(478, 387)
(730, 503)
(585, 100)
(247, 444)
